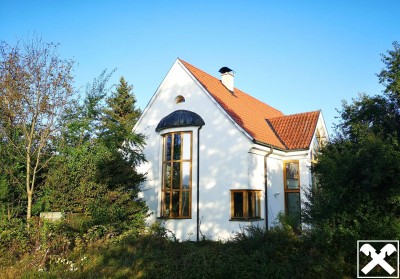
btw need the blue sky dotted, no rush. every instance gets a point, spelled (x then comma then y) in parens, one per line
(297, 56)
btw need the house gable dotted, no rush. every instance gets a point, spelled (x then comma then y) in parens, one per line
(265, 124)
(258, 121)
(248, 112)
(182, 92)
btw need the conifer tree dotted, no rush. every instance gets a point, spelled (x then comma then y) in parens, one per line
(120, 117)
(96, 173)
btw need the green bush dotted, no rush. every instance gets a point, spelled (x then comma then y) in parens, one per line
(14, 237)
(253, 253)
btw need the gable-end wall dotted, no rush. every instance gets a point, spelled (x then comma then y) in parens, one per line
(224, 161)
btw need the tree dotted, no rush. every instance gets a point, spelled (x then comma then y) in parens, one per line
(120, 116)
(70, 179)
(35, 88)
(390, 75)
(94, 172)
(358, 194)
(11, 183)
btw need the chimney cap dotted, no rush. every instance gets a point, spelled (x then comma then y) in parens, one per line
(224, 70)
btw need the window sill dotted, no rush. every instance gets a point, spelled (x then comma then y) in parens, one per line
(246, 220)
(173, 218)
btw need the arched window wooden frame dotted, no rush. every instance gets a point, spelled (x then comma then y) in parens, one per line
(176, 199)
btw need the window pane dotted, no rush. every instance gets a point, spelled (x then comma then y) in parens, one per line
(185, 175)
(177, 146)
(292, 183)
(168, 144)
(167, 200)
(256, 204)
(185, 203)
(250, 201)
(175, 204)
(292, 176)
(167, 175)
(176, 176)
(238, 205)
(186, 146)
(293, 206)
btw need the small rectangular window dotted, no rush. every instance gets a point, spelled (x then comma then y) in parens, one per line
(292, 175)
(245, 204)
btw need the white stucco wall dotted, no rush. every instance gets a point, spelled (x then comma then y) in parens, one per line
(275, 179)
(226, 161)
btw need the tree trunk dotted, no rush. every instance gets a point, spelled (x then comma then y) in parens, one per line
(29, 191)
(29, 208)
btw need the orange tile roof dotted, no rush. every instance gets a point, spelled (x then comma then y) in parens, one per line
(251, 115)
(295, 131)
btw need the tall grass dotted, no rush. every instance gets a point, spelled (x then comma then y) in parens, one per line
(253, 253)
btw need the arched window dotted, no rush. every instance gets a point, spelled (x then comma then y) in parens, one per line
(179, 99)
(176, 181)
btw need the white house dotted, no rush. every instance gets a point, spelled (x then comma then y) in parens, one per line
(218, 159)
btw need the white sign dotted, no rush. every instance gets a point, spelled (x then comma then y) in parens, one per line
(377, 259)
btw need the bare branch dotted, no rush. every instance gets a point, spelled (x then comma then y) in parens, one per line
(35, 87)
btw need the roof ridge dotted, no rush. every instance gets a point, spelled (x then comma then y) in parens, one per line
(261, 122)
(235, 88)
(197, 69)
(295, 114)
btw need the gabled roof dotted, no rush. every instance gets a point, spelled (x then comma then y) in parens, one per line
(295, 131)
(262, 122)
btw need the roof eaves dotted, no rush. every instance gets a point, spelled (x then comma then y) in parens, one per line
(150, 102)
(270, 145)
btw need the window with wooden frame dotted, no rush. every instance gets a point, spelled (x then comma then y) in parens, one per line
(176, 194)
(291, 175)
(245, 204)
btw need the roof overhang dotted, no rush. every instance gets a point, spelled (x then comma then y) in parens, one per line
(180, 118)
